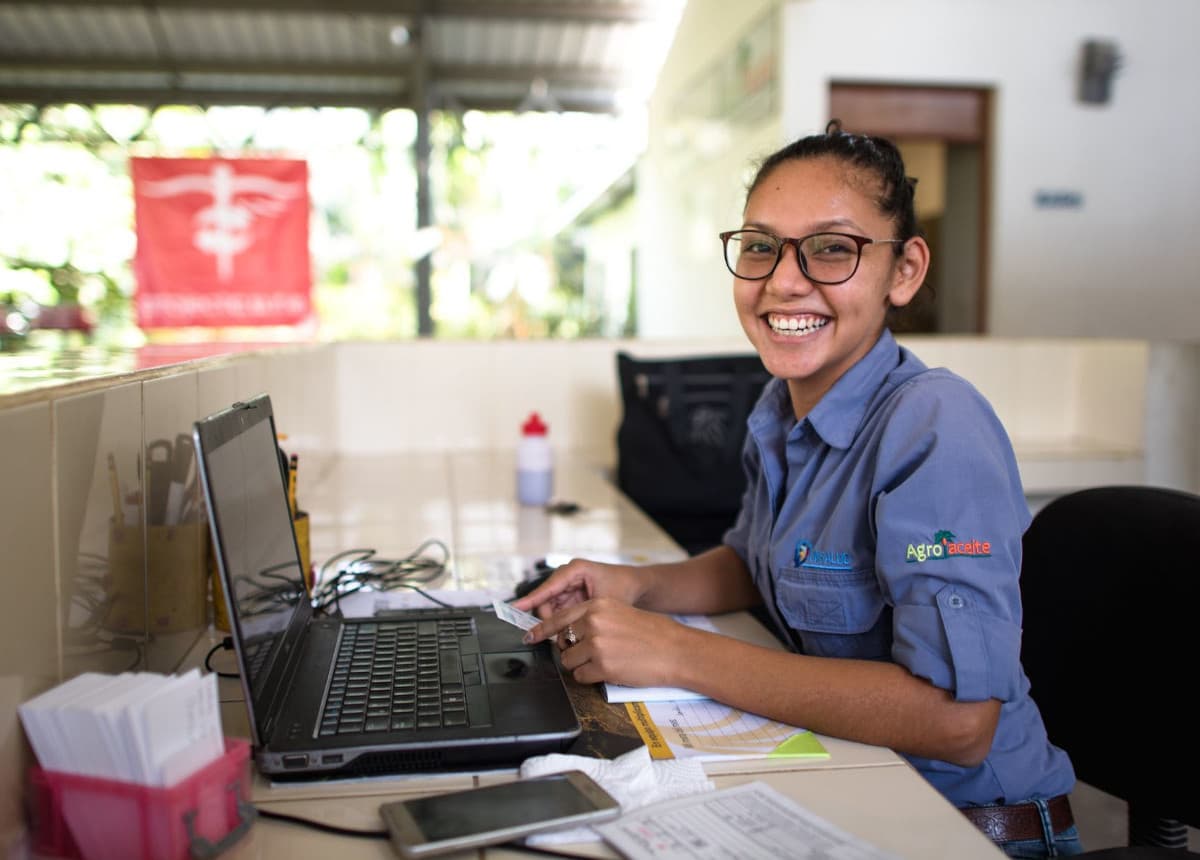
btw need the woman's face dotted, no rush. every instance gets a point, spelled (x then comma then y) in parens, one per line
(810, 334)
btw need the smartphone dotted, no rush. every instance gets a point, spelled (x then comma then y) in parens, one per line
(428, 826)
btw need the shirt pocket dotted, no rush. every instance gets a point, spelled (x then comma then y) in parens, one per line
(845, 603)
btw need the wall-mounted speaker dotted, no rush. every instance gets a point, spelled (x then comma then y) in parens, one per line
(1099, 65)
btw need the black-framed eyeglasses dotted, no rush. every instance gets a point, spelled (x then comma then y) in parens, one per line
(825, 258)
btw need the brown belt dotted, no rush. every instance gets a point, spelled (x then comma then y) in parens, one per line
(1020, 821)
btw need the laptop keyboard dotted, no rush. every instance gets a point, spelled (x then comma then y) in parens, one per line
(406, 675)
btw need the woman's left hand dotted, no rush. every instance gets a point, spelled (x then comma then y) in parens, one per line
(615, 642)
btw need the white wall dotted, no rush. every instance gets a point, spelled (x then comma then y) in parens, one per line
(691, 183)
(1123, 265)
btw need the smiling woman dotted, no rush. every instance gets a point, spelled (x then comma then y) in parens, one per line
(880, 528)
(813, 313)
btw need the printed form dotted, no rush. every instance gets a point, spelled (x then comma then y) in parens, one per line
(752, 820)
(710, 730)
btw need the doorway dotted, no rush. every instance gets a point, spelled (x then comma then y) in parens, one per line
(943, 134)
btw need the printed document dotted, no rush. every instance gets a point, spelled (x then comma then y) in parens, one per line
(710, 730)
(751, 820)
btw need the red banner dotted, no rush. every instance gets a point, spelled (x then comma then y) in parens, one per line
(221, 241)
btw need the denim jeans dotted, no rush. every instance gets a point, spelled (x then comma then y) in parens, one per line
(1064, 844)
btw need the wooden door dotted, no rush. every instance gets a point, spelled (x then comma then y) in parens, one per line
(947, 130)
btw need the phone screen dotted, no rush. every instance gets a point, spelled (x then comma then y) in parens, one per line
(495, 813)
(496, 807)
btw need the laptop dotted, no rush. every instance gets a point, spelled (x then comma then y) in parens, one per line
(414, 690)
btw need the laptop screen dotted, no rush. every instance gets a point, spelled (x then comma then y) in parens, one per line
(251, 520)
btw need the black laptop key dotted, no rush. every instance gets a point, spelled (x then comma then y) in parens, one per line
(468, 644)
(479, 709)
(451, 673)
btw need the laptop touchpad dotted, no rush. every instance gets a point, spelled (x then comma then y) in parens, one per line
(505, 667)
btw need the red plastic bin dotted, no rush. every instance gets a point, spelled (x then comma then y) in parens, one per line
(100, 819)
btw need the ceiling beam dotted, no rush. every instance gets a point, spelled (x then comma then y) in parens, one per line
(449, 72)
(589, 76)
(616, 11)
(156, 96)
(456, 103)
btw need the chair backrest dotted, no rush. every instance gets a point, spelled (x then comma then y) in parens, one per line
(680, 440)
(1111, 642)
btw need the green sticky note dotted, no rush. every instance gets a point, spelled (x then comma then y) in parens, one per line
(800, 744)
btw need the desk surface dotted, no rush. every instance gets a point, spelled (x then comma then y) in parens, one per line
(394, 503)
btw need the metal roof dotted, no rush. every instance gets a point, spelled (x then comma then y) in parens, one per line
(482, 54)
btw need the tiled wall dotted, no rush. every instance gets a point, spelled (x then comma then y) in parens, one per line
(92, 590)
(441, 395)
(1074, 408)
(89, 593)
(29, 654)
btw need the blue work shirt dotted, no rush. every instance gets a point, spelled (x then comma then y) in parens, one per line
(886, 525)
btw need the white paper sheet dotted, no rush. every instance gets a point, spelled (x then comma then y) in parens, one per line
(751, 820)
(145, 728)
(621, 693)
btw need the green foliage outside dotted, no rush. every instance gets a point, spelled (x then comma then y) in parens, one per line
(507, 260)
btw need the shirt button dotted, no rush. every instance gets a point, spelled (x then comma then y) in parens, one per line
(956, 602)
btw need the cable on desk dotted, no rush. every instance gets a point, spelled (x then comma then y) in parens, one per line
(322, 826)
(225, 644)
(355, 569)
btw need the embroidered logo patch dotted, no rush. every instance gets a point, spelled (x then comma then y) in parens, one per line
(806, 555)
(947, 545)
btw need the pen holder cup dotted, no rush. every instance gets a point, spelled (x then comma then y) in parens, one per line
(89, 818)
(157, 582)
(220, 609)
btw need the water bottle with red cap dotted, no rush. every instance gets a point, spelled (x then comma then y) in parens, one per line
(535, 463)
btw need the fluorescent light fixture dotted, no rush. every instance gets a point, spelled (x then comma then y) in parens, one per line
(400, 35)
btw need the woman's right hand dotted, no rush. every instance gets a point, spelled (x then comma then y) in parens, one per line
(580, 580)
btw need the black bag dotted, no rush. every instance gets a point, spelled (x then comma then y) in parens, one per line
(680, 440)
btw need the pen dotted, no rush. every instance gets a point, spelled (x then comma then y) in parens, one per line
(158, 481)
(181, 463)
(118, 507)
(293, 462)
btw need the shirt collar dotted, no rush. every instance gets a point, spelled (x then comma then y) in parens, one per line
(838, 415)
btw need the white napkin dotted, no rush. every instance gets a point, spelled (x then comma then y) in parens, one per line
(633, 779)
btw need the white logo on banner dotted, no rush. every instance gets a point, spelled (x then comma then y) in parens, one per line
(223, 229)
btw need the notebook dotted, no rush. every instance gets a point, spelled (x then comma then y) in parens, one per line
(415, 690)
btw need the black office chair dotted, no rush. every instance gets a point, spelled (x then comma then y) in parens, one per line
(680, 440)
(1111, 588)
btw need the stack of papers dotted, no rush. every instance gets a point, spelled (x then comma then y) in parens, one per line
(139, 727)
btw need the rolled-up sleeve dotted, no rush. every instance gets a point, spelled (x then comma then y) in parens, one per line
(948, 516)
